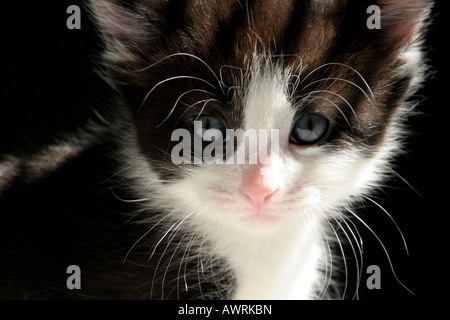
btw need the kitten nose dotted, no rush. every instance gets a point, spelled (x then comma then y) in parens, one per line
(259, 183)
(258, 196)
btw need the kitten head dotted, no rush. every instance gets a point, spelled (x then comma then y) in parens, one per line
(313, 75)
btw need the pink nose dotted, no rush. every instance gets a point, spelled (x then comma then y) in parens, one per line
(258, 197)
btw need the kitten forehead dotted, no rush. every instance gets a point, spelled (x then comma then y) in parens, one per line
(281, 27)
(266, 103)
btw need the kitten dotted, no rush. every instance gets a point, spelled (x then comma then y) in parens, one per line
(331, 92)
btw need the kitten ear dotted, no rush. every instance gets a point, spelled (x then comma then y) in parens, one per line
(402, 22)
(126, 29)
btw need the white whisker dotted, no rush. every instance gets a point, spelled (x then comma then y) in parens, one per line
(359, 266)
(339, 79)
(335, 105)
(142, 237)
(203, 108)
(406, 182)
(393, 221)
(128, 201)
(171, 79)
(383, 247)
(344, 259)
(335, 94)
(171, 258)
(346, 66)
(178, 99)
(182, 54)
(185, 257)
(204, 101)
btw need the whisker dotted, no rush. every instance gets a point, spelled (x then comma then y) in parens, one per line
(335, 105)
(346, 66)
(115, 174)
(382, 246)
(232, 88)
(142, 237)
(359, 266)
(187, 55)
(340, 79)
(186, 252)
(164, 236)
(203, 108)
(199, 263)
(171, 258)
(175, 228)
(171, 79)
(128, 201)
(406, 182)
(343, 255)
(206, 101)
(336, 94)
(178, 99)
(230, 67)
(171, 238)
(163, 152)
(328, 274)
(393, 221)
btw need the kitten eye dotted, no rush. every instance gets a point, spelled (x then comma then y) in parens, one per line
(203, 123)
(309, 129)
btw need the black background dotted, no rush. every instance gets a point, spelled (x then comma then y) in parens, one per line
(49, 88)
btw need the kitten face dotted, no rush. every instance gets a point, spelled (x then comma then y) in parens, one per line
(297, 183)
(266, 65)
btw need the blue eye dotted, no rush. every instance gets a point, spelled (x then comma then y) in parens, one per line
(309, 129)
(203, 123)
